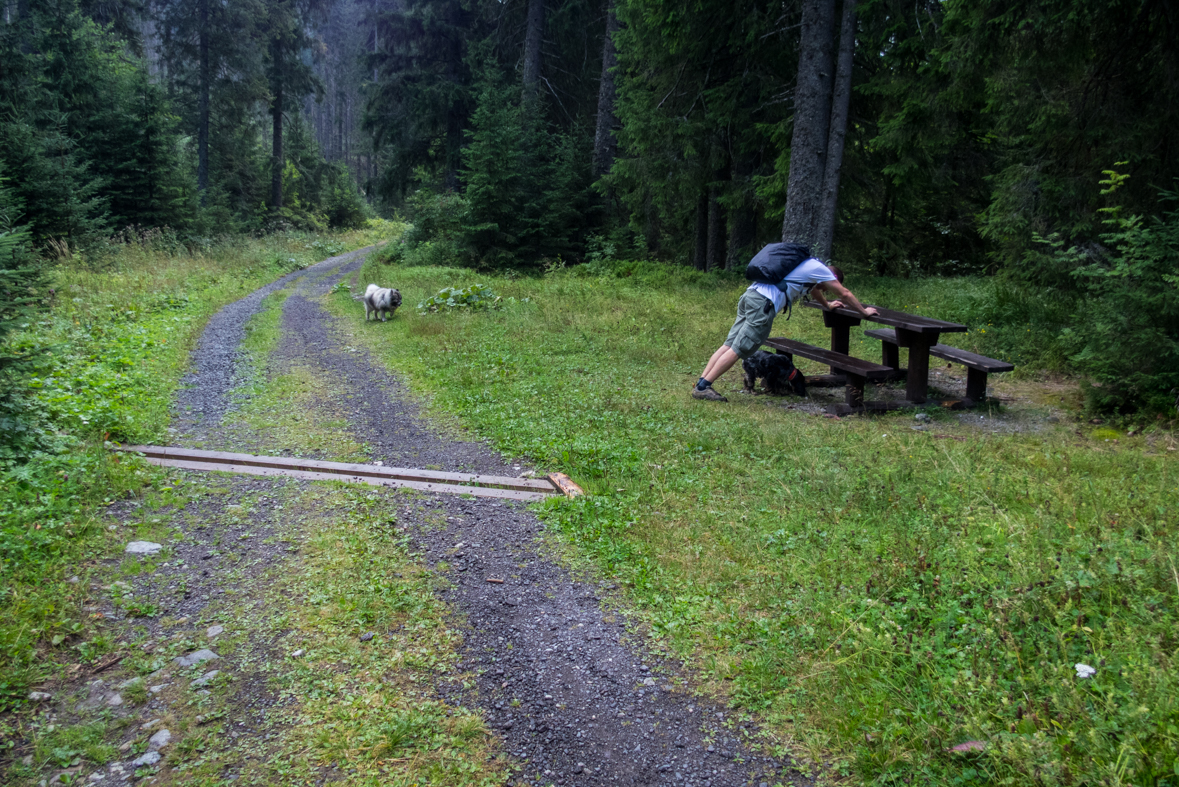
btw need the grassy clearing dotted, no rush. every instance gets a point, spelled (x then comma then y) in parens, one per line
(879, 594)
(111, 353)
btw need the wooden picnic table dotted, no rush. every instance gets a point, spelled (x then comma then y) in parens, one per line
(916, 333)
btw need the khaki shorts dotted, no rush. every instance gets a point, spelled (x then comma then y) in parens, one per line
(755, 318)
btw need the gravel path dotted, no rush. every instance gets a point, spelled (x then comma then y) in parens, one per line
(576, 699)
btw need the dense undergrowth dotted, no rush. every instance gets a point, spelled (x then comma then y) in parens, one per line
(877, 592)
(107, 358)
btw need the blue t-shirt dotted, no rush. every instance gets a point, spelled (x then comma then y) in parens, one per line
(795, 285)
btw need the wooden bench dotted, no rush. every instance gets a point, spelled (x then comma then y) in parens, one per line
(858, 372)
(977, 366)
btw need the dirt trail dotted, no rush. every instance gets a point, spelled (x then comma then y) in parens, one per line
(575, 697)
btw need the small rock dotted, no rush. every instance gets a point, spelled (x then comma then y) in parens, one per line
(143, 548)
(40, 696)
(146, 760)
(73, 580)
(205, 679)
(65, 776)
(158, 689)
(297, 653)
(159, 740)
(214, 631)
(114, 700)
(126, 747)
(147, 725)
(648, 681)
(129, 682)
(197, 657)
(922, 418)
(366, 636)
(27, 760)
(97, 776)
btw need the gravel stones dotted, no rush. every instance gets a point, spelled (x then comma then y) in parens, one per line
(143, 548)
(196, 657)
(147, 760)
(204, 680)
(159, 740)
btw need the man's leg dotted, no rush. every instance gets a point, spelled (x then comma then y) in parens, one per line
(721, 361)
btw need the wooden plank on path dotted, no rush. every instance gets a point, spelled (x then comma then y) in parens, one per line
(345, 468)
(307, 475)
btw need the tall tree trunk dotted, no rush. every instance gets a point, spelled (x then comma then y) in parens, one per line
(605, 144)
(700, 253)
(812, 116)
(533, 39)
(841, 100)
(276, 156)
(203, 100)
(744, 223)
(716, 229)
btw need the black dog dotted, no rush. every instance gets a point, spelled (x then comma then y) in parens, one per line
(777, 371)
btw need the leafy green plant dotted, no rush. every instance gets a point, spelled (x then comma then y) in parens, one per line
(476, 297)
(1125, 337)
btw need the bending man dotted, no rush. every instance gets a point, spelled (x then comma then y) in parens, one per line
(761, 303)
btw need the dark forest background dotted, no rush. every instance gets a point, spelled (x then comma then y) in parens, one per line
(1038, 140)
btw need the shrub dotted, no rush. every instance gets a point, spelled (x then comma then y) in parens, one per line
(1126, 336)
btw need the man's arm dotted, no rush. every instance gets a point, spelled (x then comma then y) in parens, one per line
(844, 294)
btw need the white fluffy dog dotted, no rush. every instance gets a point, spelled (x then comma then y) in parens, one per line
(380, 300)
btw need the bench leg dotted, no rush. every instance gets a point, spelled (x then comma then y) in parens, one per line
(976, 385)
(890, 355)
(855, 390)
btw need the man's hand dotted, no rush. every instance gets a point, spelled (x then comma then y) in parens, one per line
(835, 305)
(870, 311)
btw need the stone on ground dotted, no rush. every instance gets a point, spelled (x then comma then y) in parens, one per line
(197, 657)
(143, 548)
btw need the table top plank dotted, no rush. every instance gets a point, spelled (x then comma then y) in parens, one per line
(908, 322)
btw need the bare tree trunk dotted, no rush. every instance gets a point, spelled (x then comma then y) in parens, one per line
(203, 101)
(744, 230)
(533, 38)
(812, 116)
(716, 229)
(841, 100)
(276, 155)
(605, 144)
(700, 254)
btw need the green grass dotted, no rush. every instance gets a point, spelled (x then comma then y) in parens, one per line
(876, 593)
(111, 353)
(298, 410)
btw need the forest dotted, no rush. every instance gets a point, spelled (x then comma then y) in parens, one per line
(1036, 142)
(567, 193)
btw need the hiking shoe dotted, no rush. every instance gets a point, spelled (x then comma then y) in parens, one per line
(709, 394)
